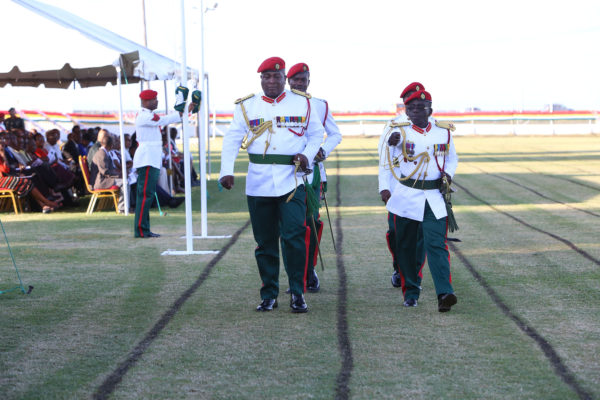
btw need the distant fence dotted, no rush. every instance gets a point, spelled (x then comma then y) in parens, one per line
(364, 123)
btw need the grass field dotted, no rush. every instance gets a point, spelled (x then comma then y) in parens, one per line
(111, 318)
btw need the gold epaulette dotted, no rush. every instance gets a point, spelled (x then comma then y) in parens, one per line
(238, 101)
(399, 124)
(445, 125)
(301, 93)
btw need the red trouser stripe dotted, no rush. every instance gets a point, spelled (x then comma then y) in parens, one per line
(143, 203)
(422, 265)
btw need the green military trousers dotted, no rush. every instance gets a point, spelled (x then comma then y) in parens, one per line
(272, 218)
(146, 187)
(434, 242)
(390, 237)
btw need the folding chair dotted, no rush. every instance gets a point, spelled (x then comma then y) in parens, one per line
(97, 193)
(11, 194)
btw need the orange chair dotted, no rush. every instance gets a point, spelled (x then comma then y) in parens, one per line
(11, 194)
(97, 193)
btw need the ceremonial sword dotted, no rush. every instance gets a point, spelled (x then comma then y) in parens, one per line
(328, 217)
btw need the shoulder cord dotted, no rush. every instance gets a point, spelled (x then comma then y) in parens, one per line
(307, 120)
(256, 131)
(421, 166)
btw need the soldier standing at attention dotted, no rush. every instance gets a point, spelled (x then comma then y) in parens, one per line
(387, 183)
(148, 156)
(427, 163)
(299, 79)
(281, 135)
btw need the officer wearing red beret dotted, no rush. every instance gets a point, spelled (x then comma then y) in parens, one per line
(387, 185)
(281, 135)
(426, 164)
(299, 79)
(148, 159)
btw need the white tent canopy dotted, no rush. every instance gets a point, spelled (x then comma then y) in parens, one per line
(150, 65)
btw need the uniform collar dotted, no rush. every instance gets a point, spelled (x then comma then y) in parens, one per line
(421, 130)
(277, 100)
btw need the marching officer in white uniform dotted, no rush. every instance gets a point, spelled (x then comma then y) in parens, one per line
(427, 162)
(281, 135)
(387, 183)
(299, 79)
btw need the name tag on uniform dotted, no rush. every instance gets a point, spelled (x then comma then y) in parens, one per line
(290, 122)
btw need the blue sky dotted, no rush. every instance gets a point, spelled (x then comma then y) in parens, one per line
(492, 55)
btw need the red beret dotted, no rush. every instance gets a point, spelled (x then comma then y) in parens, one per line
(419, 95)
(300, 67)
(415, 86)
(148, 94)
(274, 63)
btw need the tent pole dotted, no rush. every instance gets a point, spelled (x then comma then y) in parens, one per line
(122, 136)
(171, 191)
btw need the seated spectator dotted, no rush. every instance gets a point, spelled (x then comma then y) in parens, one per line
(14, 122)
(103, 173)
(70, 150)
(51, 150)
(2, 126)
(178, 157)
(23, 185)
(87, 141)
(92, 151)
(163, 196)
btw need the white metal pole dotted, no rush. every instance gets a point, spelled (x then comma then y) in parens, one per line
(186, 141)
(123, 150)
(171, 189)
(203, 134)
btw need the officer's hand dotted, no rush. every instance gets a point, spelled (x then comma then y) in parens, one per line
(394, 139)
(320, 155)
(448, 177)
(227, 181)
(303, 161)
(385, 196)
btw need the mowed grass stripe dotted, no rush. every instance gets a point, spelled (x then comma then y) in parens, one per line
(535, 191)
(111, 382)
(557, 363)
(342, 390)
(552, 235)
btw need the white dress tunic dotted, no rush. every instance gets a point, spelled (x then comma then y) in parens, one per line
(407, 201)
(148, 135)
(296, 129)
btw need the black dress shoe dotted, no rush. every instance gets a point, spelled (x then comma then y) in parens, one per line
(152, 234)
(298, 304)
(176, 202)
(446, 301)
(410, 303)
(396, 279)
(267, 305)
(312, 284)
